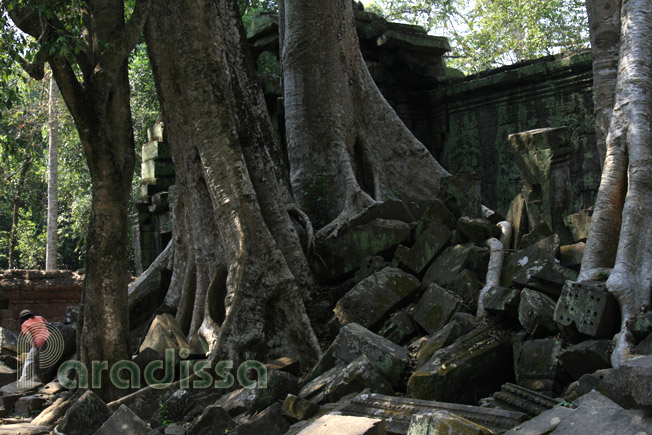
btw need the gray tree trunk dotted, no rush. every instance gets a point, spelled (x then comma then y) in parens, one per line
(623, 205)
(222, 144)
(346, 145)
(53, 175)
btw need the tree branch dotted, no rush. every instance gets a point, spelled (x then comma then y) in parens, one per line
(125, 40)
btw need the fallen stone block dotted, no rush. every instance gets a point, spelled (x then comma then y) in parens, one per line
(297, 409)
(543, 276)
(338, 382)
(397, 412)
(448, 265)
(369, 301)
(466, 285)
(502, 301)
(425, 248)
(476, 230)
(544, 423)
(540, 252)
(474, 366)
(269, 422)
(636, 381)
(123, 421)
(399, 327)
(213, 420)
(572, 255)
(436, 307)
(86, 416)
(586, 357)
(164, 333)
(440, 339)
(516, 397)
(535, 313)
(590, 307)
(441, 422)
(437, 212)
(579, 223)
(345, 425)
(539, 368)
(27, 405)
(342, 254)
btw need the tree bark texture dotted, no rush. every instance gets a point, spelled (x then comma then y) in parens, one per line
(604, 31)
(53, 175)
(623, 205)
(222, 140)
(346, 145)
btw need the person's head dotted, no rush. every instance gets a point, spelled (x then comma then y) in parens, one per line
(24, 315)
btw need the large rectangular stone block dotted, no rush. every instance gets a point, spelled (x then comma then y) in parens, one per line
(590, 307)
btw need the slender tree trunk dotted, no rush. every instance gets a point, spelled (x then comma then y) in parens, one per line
(346, 145)
(623, 205)
(53, 174)
(16, 204)
(222, 140)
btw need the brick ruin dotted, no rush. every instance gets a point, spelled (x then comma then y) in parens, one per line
(45, 293)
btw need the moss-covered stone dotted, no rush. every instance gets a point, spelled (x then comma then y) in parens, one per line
(443, 422)
(430, 242)
(436, 307)
(369, 301)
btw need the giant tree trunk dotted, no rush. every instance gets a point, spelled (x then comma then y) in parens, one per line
(623, 207)
(347, 147)
(220, 136)
(53, 171)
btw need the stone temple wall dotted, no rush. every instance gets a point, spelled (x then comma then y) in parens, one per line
(471, 120)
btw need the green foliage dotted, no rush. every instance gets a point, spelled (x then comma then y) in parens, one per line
(144, 102)
(490, 33)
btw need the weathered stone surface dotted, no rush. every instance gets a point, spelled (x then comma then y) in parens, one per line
(572, 255)
(437, 212)
(86, 416)
(369, 301)
(279, 385)
(543, 276)
(462, 194)
(7, 342)
(579, 223)
(542, 424)
(595, 413)
(540, 252)
(27, 405)
(542, 156)
(636, 381)
(7, 374)
(342, 254)
(369, 266)
(502, 301)
(436, 307)
(397, 412)
(296, 408)
(345, 425)
(448, 265)
(164, 333)
(641, 325)
(285, 364)
(590, 307)
(535, 313)
(439, 422)
(401, 250)
(388, 358)
(356, 376)
(174, 429)
(180, 406)
(399, 327)
(440, 339)
(517, 216)
(430, 242)
(606, 381)
(269, 421)
(473, 366)
(123, 421)
(539, 367)
(213, 420)
(645, 346)
(476, 230)
(586, 357)
(466, 285)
